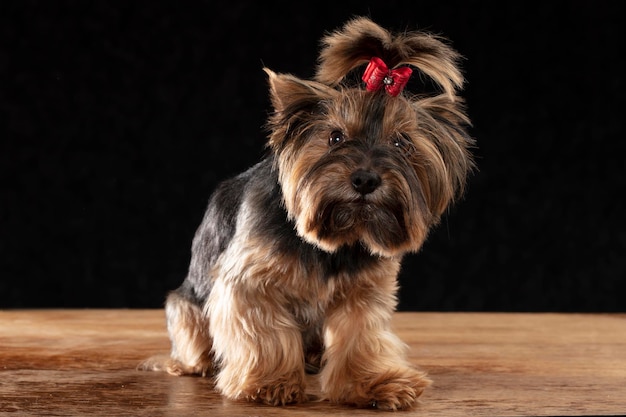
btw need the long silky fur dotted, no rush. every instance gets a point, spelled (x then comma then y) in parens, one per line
(293, 267)
(361, 39)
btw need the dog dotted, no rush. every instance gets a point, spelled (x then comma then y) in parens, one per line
(294, 267)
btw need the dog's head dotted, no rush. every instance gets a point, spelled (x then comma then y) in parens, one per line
(366, 162)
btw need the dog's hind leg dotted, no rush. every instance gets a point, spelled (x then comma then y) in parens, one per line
(188, 328)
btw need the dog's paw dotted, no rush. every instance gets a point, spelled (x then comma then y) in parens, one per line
(279, 394)
(393, 391)
(175, 367)
(289, 389)
(154, 363)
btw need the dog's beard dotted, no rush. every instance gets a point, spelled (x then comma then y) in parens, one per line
(388, 222)
(361, 218)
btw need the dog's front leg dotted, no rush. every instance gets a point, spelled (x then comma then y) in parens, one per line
(257, 344)
(364, 363)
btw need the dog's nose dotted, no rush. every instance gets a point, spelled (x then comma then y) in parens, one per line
(365, 181)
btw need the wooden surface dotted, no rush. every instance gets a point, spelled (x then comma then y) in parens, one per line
(82, 362)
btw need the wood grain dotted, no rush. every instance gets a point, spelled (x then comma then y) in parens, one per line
(82, 362)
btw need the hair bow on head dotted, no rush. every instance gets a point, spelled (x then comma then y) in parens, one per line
(377, 75)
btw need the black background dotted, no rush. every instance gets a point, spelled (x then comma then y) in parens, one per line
(119, 118)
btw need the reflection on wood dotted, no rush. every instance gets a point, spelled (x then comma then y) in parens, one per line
(82, 362)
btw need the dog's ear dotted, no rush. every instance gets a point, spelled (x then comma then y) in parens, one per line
(361, 39)
(291, 94)
(296, 104)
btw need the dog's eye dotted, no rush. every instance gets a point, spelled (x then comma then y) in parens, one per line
(336, 137)
(403, 143)
(399, 142)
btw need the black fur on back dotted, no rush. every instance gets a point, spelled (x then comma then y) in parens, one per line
(258, 187)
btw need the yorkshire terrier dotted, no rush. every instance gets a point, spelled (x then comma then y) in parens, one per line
(294, 267)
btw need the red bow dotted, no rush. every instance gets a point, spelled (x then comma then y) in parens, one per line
(377, 74)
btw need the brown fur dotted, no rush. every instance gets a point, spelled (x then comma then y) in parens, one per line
(294, 266)
(360, 39)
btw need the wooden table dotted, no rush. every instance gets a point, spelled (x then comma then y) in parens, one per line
(82, 362)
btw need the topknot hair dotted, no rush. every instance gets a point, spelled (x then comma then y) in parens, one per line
(361, 39)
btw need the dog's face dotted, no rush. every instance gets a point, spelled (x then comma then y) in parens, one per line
(364, 168)
(370, 166)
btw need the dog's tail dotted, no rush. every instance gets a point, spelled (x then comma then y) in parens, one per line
(361, 39)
